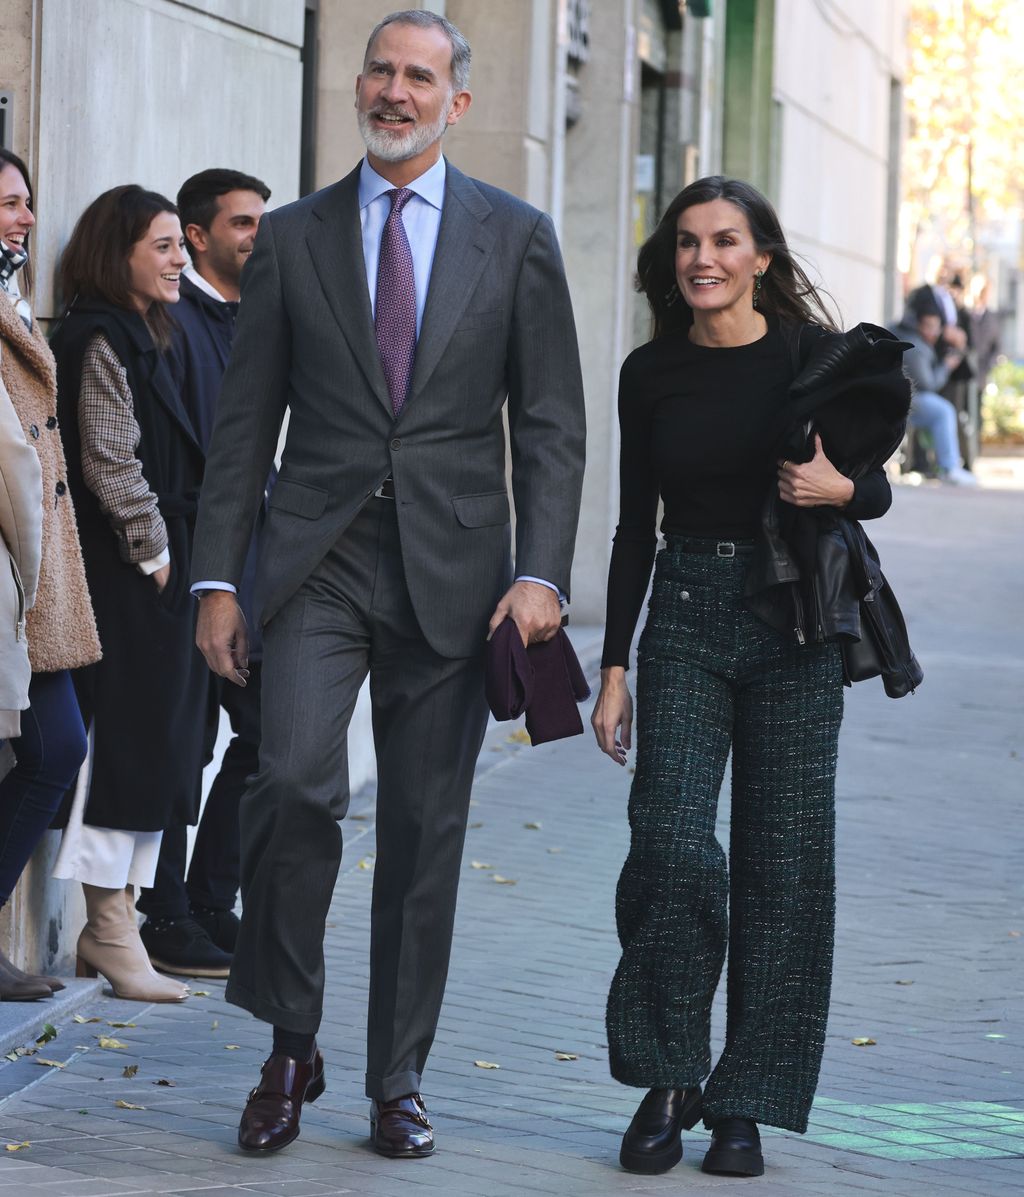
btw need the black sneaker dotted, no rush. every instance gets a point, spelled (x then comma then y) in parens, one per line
(182, 947)
(220, 925)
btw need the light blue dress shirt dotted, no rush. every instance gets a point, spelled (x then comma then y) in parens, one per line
(422, 219)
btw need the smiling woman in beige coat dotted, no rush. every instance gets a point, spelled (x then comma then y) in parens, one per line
(60, 627)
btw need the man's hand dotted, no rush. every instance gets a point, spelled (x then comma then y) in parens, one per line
(534, 608)
(612, 719)
(161, 576)
(221, 636)
(815, 483)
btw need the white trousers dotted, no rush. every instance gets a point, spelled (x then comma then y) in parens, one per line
(101, 855)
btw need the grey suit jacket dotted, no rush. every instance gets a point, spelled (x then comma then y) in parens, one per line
(497, 326)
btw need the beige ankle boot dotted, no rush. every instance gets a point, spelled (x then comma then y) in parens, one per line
(110, 944)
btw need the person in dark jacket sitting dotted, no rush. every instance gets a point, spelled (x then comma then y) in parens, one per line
(702, 408)
(191, 926)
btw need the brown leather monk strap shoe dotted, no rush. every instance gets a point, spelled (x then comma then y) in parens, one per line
(270, 1119)
(400, 1128)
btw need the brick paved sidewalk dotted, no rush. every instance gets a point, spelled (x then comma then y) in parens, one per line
(931, 930)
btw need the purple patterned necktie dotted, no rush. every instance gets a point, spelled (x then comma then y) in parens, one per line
(394, 316)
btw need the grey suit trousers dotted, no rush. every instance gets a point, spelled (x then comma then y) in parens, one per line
(351, 617)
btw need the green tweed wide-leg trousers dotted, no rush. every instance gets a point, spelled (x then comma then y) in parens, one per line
(711, 677)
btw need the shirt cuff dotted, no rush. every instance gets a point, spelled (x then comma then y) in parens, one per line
(154, 563)
(543, 582)
(199, 587)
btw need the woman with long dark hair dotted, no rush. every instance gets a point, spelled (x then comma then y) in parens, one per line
(135, 467)
(703, 407)
(59, 627)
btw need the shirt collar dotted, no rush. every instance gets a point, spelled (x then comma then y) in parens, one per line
(429, 185)
(197, 280)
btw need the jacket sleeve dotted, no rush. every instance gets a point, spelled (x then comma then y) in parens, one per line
(546, 414)
(250, 411)
(924, 369)
(872, 496)
(21, 497)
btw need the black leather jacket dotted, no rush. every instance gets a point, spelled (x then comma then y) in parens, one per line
(850, 388)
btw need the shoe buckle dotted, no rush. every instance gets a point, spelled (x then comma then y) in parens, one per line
(725, 548)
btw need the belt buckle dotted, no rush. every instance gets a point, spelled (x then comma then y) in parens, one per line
(725, 548)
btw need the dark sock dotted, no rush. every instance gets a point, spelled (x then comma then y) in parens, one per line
(293, 1043)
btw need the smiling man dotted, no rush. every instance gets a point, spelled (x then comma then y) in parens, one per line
(190, 926)
(396, 315)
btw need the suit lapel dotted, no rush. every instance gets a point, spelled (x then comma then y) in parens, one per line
(335, 242)
(464, 245)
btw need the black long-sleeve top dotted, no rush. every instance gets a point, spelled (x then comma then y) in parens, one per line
(696, 431)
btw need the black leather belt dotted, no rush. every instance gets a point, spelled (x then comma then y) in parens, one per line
(715, 548)
(386, 490)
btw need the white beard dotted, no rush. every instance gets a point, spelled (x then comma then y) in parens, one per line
(401, 145)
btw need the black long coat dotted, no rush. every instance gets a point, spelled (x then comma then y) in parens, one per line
(146, 700)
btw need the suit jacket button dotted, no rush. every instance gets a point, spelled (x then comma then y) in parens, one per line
(34, 431)
(396, 443)
(51, 423)
(60, 488)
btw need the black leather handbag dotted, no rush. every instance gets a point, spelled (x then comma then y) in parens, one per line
(883, 649)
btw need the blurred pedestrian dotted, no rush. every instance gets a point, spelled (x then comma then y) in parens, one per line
(702, 408)
(928, 372)
(986, 332)
(191, 926)
(135, 465)
(60, 627)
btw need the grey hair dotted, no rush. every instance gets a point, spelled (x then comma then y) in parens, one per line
(424, 19)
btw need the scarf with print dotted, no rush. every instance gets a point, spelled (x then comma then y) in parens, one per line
(12, 258)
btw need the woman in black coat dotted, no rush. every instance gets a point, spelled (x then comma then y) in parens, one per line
(134, 467)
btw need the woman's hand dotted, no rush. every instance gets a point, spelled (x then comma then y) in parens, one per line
(612, 712)
(815, 483)
(161, 576)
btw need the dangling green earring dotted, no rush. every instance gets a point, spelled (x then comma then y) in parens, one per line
(758, 276)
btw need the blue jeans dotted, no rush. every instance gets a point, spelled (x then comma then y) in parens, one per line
(50, 751)
(937, 416)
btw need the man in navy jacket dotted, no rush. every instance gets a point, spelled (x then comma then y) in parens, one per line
(191, 926)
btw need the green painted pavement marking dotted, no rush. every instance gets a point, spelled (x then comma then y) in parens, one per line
(918, 1130)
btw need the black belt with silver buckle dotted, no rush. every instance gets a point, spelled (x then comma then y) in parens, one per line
(386, 490)
(720, 548)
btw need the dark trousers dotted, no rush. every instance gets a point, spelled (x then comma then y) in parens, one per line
(353, 617)
(50, 751)
(213, 874)
(711, 677)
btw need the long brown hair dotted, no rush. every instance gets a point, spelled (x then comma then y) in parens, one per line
(786, 291)
(7, 158)
(95, 261)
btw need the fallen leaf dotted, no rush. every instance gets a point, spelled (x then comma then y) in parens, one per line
(18, 1146)
(127, 1105)
(112, 1044)
(232, 1047)
(120, 1024)
(365, 863)
(865, 1042)
(129, 1071)
(474, 826)
(359, 818)
(49, 1032)
(519, 736)
(904, 982)
(48, 1063)
(78, 1018)
(479, 864)
(215, 1024)
(165, 1082)
(555, 851)
(18, 1052)
(565, 1056)
(200, 993)
(485, 1064)
(1015, 935)
(532, 826)
(12, 1055)
(499, 880)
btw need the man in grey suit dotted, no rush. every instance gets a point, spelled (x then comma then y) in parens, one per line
(394, 315)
